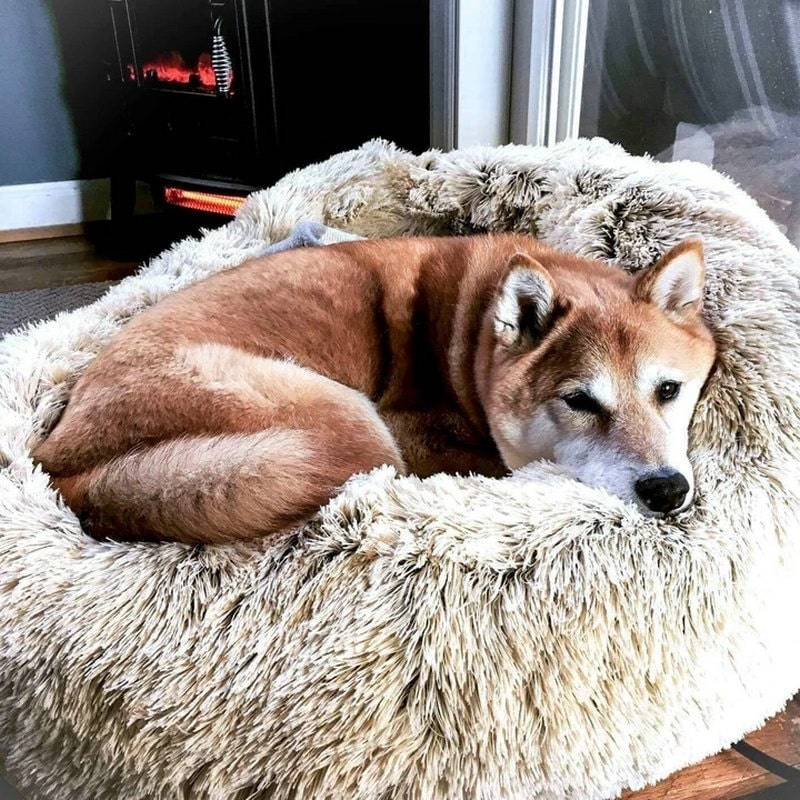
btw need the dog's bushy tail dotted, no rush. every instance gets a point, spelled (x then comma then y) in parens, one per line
(213, 488)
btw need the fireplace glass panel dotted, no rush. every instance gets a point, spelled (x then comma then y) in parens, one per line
(183, 45)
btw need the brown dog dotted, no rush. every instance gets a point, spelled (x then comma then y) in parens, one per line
(239, 405)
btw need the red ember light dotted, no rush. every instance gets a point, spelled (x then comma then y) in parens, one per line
(171, 68)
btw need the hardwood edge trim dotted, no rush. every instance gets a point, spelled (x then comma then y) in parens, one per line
(42, 232)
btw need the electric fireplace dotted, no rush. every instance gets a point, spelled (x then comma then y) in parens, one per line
(195, 100)
(219, 97)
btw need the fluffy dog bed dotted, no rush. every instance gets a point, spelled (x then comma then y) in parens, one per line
(457, 637)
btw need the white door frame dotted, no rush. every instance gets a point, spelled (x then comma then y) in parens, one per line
(547, 75)
(506, 71)
(444, 73)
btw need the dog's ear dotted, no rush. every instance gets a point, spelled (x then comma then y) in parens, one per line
(525, 302)
(675, 282)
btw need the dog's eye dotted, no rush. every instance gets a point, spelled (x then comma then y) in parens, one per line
(668, 390)
(580, 401)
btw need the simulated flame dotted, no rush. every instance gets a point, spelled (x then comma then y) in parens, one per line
(172, 68)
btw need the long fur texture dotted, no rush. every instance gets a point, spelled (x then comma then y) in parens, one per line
(448, 638)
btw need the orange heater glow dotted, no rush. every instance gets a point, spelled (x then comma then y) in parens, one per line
(203, 201)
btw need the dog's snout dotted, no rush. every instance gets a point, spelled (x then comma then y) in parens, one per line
(663, 491)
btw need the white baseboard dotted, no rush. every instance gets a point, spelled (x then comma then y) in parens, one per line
(35, 205)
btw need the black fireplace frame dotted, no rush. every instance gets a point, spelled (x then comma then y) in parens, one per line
(293, 58)
(155, 120)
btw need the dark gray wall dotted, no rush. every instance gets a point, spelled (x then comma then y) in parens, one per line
(37, 141)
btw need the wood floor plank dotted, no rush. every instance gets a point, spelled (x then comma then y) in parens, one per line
(62, 271)
(42, 232)
(18, 251)
(98, 251)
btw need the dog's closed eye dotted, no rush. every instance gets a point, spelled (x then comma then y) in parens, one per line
(582, 401)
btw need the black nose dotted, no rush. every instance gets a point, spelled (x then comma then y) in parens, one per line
(663, 491)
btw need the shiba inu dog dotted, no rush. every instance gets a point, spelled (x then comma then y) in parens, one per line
(236, 407)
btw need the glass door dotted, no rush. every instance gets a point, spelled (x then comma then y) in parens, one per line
(715, 81)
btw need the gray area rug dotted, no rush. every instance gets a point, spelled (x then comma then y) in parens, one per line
(20, 308)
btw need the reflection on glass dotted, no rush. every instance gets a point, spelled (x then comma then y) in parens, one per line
(716, 81)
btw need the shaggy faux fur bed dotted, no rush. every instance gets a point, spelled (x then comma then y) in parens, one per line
(457, 637)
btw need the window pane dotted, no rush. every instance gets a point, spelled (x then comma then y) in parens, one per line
(705, 80)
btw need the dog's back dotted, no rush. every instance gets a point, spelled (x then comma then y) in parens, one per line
(239, 405)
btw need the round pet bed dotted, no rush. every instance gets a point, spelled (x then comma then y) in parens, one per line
(457, 637)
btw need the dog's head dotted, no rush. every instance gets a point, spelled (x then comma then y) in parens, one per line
(599, 371)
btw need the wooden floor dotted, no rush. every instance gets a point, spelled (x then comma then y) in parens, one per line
(95, 252)
(85, 257)
(56, 262)
(729, 775)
